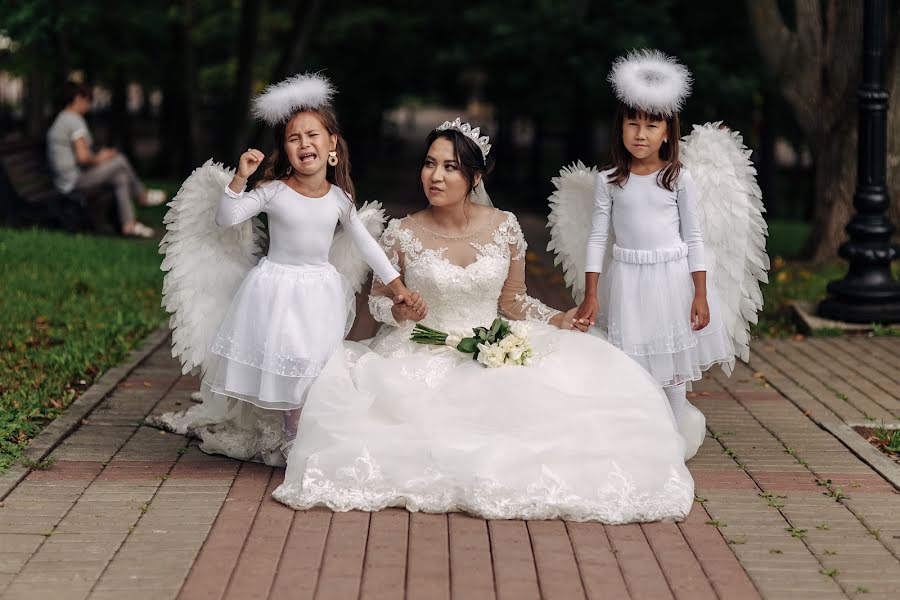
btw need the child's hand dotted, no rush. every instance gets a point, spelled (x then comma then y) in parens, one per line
(699, 313)
(249, 162)
(587, 313)
(409, 307)
(568, 321)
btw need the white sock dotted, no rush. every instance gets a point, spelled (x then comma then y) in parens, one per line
(677, 395)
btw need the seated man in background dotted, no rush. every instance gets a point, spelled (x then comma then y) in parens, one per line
(76, 167)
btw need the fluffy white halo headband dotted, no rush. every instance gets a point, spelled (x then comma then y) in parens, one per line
(281, 100)
(651, 81)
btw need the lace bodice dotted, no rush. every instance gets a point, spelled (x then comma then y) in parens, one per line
(466, 281)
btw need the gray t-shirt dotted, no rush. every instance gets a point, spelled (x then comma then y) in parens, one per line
(67, 127)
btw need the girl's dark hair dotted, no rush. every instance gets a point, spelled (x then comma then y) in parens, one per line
(468, 154)
(620, 157)
(277, 163)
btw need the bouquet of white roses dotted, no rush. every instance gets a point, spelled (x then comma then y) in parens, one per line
(499, 345)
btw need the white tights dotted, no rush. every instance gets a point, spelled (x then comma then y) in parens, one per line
(289, 426)
(677, 395)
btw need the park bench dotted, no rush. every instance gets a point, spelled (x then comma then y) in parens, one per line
(27, 195)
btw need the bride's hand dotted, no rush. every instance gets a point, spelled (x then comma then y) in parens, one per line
(567, 320)
(410, 307)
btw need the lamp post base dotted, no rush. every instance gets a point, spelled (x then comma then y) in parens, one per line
(853, 311)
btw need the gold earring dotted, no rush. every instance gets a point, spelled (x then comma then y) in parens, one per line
(332, 158)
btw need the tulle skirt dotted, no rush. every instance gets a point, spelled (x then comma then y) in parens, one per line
(283, 325)
(585, 434)
(647, 315)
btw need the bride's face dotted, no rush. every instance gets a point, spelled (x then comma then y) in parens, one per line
(442, 179)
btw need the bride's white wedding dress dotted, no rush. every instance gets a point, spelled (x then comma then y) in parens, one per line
(584, 434)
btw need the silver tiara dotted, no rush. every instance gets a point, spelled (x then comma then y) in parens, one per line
(484, 142)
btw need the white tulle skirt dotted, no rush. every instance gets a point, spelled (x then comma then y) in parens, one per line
(647, 315)
(283, 325)
(585, 434)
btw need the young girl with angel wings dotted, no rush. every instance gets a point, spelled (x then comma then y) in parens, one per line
(665, 248)
(260, 332)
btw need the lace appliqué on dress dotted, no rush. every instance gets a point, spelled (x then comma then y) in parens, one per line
(535, 310)
(362, 485)
(264, 359)
(510, 233)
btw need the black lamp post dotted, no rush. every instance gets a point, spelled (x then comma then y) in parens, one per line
(869, 293)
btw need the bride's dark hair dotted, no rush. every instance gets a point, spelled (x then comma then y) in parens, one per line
(468, 154)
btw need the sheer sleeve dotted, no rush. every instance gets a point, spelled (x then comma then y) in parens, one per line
(381, 299)
(236, 207)
(515, 303)
(691, 233)
(368, 247)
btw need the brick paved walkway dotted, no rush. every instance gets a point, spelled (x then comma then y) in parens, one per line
(784, 509)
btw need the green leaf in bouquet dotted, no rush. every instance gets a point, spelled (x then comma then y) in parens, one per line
(495, 327)
(467, 345)
(483, 334)
(504, 330)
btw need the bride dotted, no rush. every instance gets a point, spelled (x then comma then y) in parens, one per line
(584, 434)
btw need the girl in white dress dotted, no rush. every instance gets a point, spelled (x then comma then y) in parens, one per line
(293, 309)
(660, 310)
(395, 423)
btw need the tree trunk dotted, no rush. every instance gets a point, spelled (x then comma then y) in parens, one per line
(35, 101)
(580, 126)
(816, 68)
(765, 159)
(243, 84)
(178, 119)
(191, 88)
(289, 63)
(119, 133)
(502, 143)
(834, 183)
(537, 179)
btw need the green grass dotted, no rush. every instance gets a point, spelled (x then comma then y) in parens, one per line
(790, 281)
(786, 238)
(791, 278)
(72, 306)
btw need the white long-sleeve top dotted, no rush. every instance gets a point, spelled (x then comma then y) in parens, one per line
(301, 228)
(645, 216)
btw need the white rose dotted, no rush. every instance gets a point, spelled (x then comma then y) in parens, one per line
(515, 354)
(519, 329)
(508, 342)
(491, 356)
(528, 357)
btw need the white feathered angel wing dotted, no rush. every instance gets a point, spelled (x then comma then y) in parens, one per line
(343, 254)
(204, 263)
(571, 208)
(730, 206)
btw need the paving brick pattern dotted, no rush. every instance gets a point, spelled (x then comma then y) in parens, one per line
(783, 509)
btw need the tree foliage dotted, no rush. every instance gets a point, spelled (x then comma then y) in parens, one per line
(541, 63)
(813, 54)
